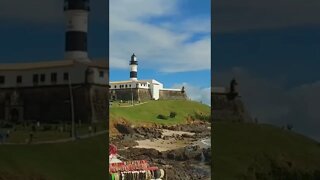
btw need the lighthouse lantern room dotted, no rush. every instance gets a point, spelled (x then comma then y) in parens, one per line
(134, 68)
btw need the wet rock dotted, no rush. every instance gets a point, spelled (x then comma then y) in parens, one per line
(186, 136)
(207, 154)
(129, 143)
(124, 129)
(161, 161)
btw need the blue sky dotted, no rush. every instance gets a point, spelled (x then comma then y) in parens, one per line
(291, 53)
(273, 49)
(171, 39)
(34, 30)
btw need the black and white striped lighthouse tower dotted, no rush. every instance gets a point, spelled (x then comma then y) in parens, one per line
(134, 68)
(76, 13)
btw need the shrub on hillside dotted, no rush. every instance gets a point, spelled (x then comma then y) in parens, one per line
(173, 114)
(200, 116)
(161, 116)
(289, 127)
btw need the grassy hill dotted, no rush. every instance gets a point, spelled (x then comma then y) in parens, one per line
(255, 151)
(82, 159)
(148, 112)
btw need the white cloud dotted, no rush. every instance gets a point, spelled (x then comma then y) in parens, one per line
(196, 93)
(165, 46)
(235, 15)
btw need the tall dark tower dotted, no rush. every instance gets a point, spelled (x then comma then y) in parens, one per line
(76, 13)
(134, 68)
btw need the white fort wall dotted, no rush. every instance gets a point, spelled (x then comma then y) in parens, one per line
(98, 76)
(154, 86)
(77, 74)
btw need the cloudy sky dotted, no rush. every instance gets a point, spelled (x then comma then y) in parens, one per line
(34, 30)
(272, 47)
(171, 39)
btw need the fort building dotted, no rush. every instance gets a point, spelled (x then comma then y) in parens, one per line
(142, 90)
(51, 91)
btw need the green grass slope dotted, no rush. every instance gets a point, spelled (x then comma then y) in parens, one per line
(255, 151)
(82, 160)
(148, 112)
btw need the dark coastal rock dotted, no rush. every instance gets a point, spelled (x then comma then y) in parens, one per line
(184, 154)
(161, 161)
(140, 153)
(166, 137)
(129, 143)
(124, 129)
(187, 136)
(207, 154)
(177, 154)
(148, 132)
(178, 162)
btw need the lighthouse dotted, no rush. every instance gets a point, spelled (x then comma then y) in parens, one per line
(134, 68)
(76, 15)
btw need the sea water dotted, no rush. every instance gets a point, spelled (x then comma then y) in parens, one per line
(201, 166)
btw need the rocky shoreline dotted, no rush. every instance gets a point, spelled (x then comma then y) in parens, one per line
(177, 149)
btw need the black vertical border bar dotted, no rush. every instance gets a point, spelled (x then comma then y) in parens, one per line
(108, 94)
(212, 84)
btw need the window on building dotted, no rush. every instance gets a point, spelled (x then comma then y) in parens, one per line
(53, 77)
(129, 85)
(115, 86)
(101, 74)
(126, 85)
(2, 79)
(148, 85)
(19, 79)
(65, 76)
(35, 78)
(42, 77)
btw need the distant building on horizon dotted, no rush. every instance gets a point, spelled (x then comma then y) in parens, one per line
(142, 90)
(44, 91)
